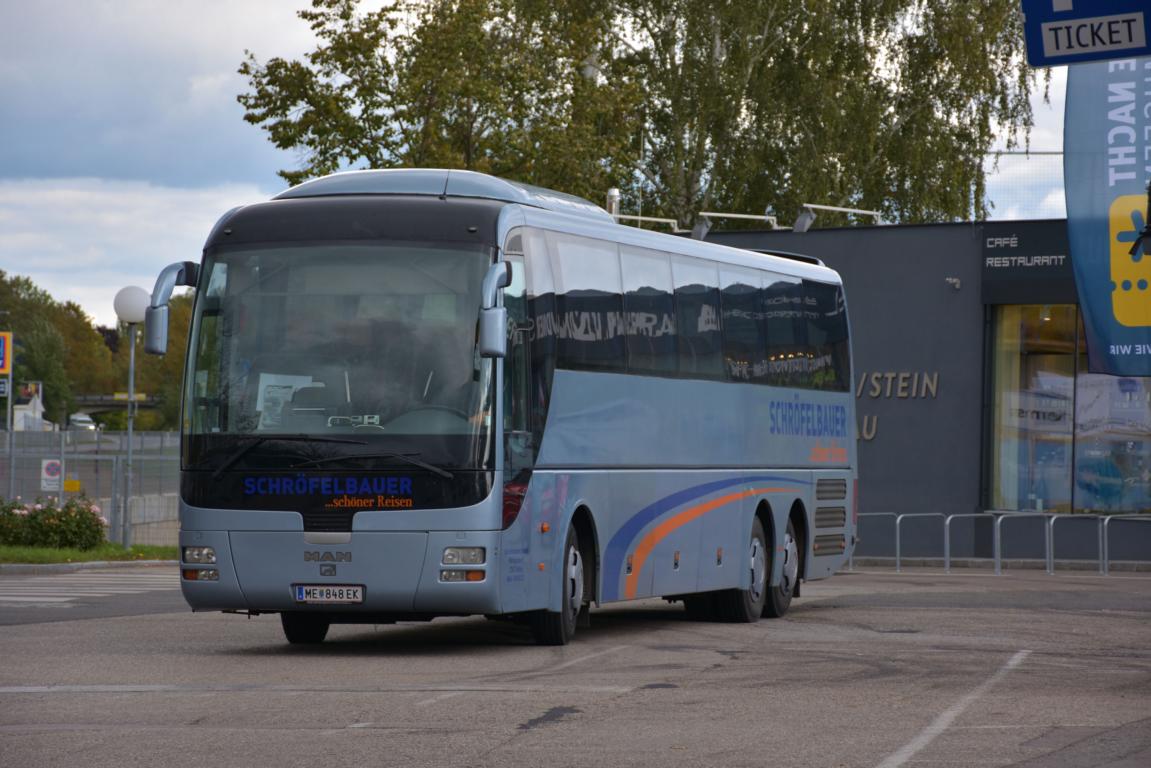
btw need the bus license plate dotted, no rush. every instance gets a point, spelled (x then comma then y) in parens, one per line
(329, 593)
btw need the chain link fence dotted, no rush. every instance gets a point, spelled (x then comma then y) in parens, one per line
(141, 509)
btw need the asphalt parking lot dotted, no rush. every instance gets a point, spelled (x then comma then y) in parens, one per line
(869, 669)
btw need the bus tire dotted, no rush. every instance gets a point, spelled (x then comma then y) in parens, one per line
(550, 628)
(304, 628)
(744, 606)
(779, 596)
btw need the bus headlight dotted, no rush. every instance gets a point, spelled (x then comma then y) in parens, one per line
(464, 556)
(201, 555)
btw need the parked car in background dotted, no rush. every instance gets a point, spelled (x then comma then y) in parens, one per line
(81, 421)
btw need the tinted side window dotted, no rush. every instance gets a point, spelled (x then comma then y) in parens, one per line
(649, 312)
(742, 321)
(541, 319)
(786, 327)
(827, 336)
(589, 326)
(697, 318)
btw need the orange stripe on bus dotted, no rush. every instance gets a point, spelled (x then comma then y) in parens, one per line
(661, 531)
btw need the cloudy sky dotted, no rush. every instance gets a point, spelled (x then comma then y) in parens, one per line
(121, 141)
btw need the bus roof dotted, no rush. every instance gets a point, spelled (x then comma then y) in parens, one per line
(544, 207)
(445, 183)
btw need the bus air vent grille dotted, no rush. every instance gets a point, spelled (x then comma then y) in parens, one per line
(829, 545)
(328, 520)
(830, 517)
(830, 490)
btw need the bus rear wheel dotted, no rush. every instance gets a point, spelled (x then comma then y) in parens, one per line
(550, 628)
(779, 597)
(304, 628)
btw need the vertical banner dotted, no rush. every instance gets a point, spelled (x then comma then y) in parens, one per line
(1106, 169)
(5, 353)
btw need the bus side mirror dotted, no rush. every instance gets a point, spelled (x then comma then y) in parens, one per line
(493, 339)
(156, 315)
(493, 332)
(156, 330)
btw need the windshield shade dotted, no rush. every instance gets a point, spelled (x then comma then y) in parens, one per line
(372, 343)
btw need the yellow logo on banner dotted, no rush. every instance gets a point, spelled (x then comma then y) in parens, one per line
(1130, 275)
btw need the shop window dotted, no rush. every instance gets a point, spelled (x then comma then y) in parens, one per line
(1112, 441)
(1033, 399)
(1063, 439)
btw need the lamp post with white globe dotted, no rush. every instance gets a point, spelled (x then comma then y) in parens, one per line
(130, 304)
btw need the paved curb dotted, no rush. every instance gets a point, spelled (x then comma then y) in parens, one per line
(979, 563)
(95, 565)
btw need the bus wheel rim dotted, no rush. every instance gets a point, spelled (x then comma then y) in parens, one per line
(758, 569)
(575, 581)
(790, 562)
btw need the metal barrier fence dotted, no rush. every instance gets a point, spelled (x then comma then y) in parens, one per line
(140, 510)
(1103, 523)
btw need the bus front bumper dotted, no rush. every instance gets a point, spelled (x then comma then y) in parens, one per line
(398, 572)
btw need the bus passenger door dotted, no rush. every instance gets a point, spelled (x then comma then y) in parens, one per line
(519, 539)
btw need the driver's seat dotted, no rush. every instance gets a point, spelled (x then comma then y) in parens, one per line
(309, 409)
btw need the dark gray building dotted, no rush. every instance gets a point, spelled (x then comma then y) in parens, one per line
(972, 386)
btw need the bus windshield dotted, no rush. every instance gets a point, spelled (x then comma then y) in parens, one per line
(313, 355)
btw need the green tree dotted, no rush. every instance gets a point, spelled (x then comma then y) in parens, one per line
(516, 88)
(545, 103)
(877, 104)
(88, 361)
(58, 345)
(34, 316)
(686, 104)
(40, 357)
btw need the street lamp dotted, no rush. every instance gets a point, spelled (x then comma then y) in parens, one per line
(130, 304)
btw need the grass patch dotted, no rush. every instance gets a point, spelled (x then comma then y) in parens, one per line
(105, 551)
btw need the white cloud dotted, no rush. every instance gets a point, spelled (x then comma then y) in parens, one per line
(83, 240)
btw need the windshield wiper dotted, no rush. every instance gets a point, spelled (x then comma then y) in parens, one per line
(261, 439)
(408, 457)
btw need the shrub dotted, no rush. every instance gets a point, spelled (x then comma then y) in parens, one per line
(77, 524)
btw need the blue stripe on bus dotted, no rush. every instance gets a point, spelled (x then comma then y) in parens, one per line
(616, 551)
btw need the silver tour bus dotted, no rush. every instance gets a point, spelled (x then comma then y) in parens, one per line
(422, 393)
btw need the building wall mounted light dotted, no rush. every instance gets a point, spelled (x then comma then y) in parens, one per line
(811, 208)
(613, 197)
(805, 219)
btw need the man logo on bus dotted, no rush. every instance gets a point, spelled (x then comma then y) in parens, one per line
(327, 557)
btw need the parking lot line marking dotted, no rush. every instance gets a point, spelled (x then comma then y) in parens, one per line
(941, 723)
(19, 690)
(441, 697)
(582, 659)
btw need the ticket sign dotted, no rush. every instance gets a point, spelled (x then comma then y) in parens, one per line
(5, 352)
(1074, 31)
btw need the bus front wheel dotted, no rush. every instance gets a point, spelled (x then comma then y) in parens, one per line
(550, 628)
(742, 605)
(304, 628)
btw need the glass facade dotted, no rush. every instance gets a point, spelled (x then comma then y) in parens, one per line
(1063, 439)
